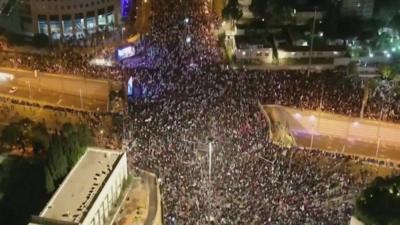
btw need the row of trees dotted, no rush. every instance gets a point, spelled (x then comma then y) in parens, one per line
(379, 203)
(61, 149)
(232, 11)
(65, 149)
(25, 133)
(384, 87)
(27, 182)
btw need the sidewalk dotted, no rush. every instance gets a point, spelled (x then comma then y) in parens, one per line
(142, 204)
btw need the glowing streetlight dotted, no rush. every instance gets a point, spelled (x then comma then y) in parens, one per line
(297, 116)
(188, 39)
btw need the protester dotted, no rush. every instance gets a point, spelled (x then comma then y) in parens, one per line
(185, 98)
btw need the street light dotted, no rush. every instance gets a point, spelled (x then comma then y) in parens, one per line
(210, 142)
(312, 119)
(210, 151)
(30, 90)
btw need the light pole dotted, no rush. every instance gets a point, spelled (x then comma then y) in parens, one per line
(80, 97)
(29, 86)
(312, 137)
(312, 41)
(378, 144)
(210, 142)
(210, 150)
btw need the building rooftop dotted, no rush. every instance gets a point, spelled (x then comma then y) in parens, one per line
(247, 40)
(316, 48)
(79, 189)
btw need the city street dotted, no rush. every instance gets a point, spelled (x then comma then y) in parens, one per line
(57, 90)
(331, 132)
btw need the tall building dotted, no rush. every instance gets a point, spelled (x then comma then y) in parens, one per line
(89, 192)
(64, 18)
(15, 16)
(361, 8)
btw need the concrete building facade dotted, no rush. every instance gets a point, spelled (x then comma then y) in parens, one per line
(89, 192)
(67, 18)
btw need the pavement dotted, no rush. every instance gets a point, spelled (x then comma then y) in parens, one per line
(53, 119)
(141, 205)
(56, 89)
(142, 22)
(337, 133)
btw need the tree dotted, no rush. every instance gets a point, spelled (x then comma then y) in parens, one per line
(232, 11)
(11, 134)
(259, 7)
(75, 141)
(275, 11)
(386, 72)
(26, 125)
(67, 130)
(40, 40)
(40, 138)
(56, 158)
(49, 180)
(84, 135)
(379, 203)
(382, 87)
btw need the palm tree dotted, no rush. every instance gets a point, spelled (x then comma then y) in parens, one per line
(232, 11)
(382, 87)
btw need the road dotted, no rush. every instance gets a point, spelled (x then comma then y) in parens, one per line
(60, 90)
(337, 133)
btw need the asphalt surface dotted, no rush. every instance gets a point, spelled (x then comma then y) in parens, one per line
(336, 133)
(153, 199)
(55, 89)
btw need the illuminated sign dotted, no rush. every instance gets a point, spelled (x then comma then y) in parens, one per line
(126, 52)
(125, 7)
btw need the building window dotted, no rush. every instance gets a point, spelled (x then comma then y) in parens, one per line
(110, 19)
(110, 8)
(55, 27)
(91, 22)
(79, 25)
(42, 26)
(67, 26)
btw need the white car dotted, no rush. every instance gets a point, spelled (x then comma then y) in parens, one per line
(6, 76)
(13, 90)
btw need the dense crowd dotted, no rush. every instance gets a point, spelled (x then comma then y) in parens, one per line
(253, 180)
(190, 97)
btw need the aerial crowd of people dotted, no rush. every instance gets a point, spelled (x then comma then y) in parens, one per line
(194, 103)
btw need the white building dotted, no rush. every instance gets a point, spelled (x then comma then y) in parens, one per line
(299, 52)
(305, 15)
(89, 192)
(248, 47)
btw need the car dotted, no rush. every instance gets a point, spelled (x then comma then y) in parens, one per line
(6, 76)
(13, 90)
